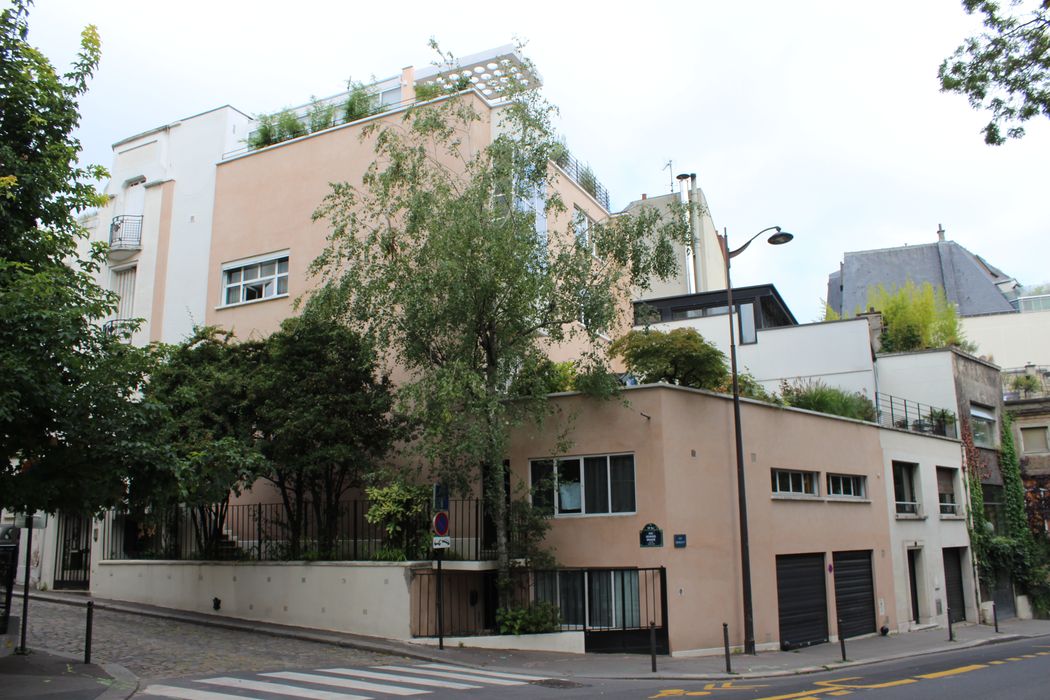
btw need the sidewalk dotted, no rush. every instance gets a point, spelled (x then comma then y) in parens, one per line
(822, 657)
(42, 673)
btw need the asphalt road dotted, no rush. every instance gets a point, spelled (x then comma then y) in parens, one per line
(177, 659)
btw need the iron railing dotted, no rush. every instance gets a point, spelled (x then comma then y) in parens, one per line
(895, 412)
(1029, 382)
(125, 232)
(268, 532)
(613, 606)
(584, 177)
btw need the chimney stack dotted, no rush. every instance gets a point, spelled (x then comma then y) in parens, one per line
(940, 233)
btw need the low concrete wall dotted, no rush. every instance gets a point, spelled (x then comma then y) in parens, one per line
(565, 642)
(369, 598)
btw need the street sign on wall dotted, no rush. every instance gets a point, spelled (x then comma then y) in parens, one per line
(651, 536)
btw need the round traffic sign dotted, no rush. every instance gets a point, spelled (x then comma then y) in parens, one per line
(441, 523)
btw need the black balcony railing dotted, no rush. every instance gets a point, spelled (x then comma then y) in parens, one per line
(125, 232)
(268, 532)
(584, 177)
(895, 412)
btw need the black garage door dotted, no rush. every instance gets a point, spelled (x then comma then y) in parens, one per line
(854, 593)
(802, 600)
(953, 583)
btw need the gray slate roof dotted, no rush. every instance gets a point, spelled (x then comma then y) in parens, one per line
(967, 279)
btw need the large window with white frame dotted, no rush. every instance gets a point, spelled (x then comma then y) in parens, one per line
(982, 423)
(791, 482)
(847, 485)
(595, 485)
(255, 280)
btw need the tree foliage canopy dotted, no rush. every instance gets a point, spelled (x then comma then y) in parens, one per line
(917, 318)
(71, 426)
(444, 256)
(681, 356)
(1005, 70)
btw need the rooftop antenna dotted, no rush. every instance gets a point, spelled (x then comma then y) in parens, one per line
(670, 168)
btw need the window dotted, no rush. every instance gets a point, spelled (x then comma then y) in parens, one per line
(847, 485)
(946, 491)
(259, 280)
(583, 227)
(904, 491)
(584, 486)
(1033, 440)
(124, 286)
(982, 422)
(793, 482)
(595, 599)
(746, 321)
(994, 510)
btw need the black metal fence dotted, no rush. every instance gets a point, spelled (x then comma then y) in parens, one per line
(613, 607)
(8, 567)
(895, 412)
(269, 532)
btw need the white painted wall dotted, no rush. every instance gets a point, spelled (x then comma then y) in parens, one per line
(1011, 340)
(369, 598)
(926, 377)
(837, 353)
(932, 531)
(184, 152)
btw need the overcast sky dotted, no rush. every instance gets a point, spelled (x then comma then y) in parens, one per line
(822, 117)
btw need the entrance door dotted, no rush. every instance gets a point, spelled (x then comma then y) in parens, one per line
(913, 583)
(73, 557)
(953, 583)
(854, 593)
(802, 600)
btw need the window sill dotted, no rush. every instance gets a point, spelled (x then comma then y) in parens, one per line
(253, 301)
(847, 499)
(952, 516)
(910, 516)
(796, 497)
(573, 516)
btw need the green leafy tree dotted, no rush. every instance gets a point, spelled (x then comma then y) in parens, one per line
(1005, 70)
(202, 387)
(323, 418)
(72, 427)
(917, 318)
(436, 258)
(681, 356)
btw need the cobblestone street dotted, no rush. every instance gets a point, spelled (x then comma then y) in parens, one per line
(153, 648)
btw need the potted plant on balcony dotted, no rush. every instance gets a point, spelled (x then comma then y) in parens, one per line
(943, 421)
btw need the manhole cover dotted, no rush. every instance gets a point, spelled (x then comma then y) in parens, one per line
(557, 683)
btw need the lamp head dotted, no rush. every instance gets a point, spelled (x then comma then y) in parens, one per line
(780, 237)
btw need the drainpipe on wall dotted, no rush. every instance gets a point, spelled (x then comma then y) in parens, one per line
(699, 254)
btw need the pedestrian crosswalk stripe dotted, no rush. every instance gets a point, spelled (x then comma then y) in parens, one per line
(496, 674)
(280, 689)
(171, 691)
(454, 676)
(432, 682)
(344, 683)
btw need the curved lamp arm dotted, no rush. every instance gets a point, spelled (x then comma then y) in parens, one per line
(741, 249)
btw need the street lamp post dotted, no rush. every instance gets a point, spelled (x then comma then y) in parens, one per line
(778, 238)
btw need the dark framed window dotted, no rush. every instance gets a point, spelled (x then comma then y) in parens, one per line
(594, 485)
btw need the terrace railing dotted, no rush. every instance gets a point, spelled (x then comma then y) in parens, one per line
(895, 412)
(268, 532)
(1030, 382)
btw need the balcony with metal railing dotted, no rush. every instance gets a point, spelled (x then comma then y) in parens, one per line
(903, 414)
(125, 236)
(1028, 382)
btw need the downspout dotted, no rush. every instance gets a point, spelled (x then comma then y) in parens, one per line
(699, 254)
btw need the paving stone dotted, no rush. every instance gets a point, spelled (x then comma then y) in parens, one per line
(155, 649)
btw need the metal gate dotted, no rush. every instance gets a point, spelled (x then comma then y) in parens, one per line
(73, 557)
(953, 583)
(621, 604)
(854, 593)
(802, 600)
(8, 567)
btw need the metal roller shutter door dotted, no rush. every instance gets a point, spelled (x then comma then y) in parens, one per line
(854, 593)
(802, 600)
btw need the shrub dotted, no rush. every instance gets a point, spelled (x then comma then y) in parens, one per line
(681, 357)
(289, 126)
(540, 618)
(321, 116)
(817, 396)
(265, 134)
(428, 91)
